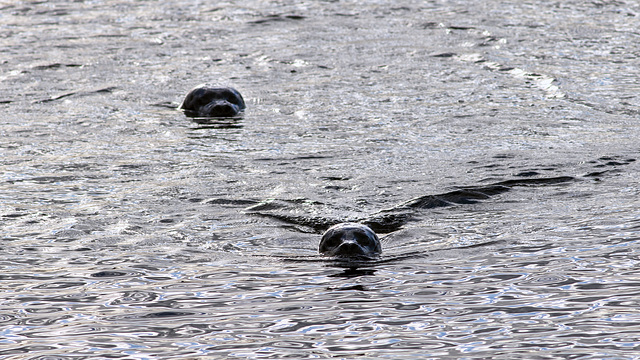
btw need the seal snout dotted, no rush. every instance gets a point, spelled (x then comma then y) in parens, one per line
(350, 247)
(220, 108)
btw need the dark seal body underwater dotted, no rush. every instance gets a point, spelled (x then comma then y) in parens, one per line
(350, 240)
(206, 101)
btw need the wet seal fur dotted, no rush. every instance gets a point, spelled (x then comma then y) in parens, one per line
(206, 101)
(350, 240)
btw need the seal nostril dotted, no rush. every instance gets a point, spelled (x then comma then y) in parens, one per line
(221, 109)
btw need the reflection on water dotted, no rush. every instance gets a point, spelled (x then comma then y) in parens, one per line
(500, 302)
(131, 231)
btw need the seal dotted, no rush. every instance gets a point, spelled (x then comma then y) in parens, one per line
(205, 101)
(350, 240)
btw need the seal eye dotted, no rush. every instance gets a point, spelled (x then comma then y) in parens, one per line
(330, 243)
(333, 241)
(232, 98)
(363, 239)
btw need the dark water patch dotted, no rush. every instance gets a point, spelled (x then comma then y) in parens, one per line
(159, 315)
(392, 219)
(135, 297)
(528, 174)
(586, 299)
(112, 261)
(14, 215)
(44, 321)
(302, 157)
(109, 36)
(600, 286)
(608, 161)
(109, 273)
(55, 66)
(531, 249)
(429, 25)
(294, 308)
(548, 280)
(167, 314)
(631, 303)
(187, 331)
(158, 278)
(608, 109)
(8, 277)
(108, 89)
(48, 310)
(453, 27)
(445, 55)
(222, 201)
(70, 357)
(218, 275)
(316, 224)
(77, 298)
(294, 345)
(277, 18)
(354, 271)
(335, 178)
(27, 349)
(498, 277)
(47, 179)
(522, 310)
(7, 318)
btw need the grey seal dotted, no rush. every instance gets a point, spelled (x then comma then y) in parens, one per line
(350, 240)
(206, 101)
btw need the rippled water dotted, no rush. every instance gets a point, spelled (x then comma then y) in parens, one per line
(130, 231)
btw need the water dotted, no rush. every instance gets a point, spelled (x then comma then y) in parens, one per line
(130, 231)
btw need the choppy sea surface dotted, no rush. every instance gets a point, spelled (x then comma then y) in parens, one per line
(503, 134)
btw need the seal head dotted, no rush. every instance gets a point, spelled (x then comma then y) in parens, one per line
(350, 240)
(204, 101)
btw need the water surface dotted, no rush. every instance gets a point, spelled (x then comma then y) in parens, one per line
(130, 231)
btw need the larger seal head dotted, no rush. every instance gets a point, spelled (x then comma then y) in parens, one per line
(350, 240)
(205, 101)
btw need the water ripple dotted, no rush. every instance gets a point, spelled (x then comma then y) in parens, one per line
(501, 137)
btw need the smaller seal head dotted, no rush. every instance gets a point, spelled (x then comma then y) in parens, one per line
(350, 240)
(204, 101)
